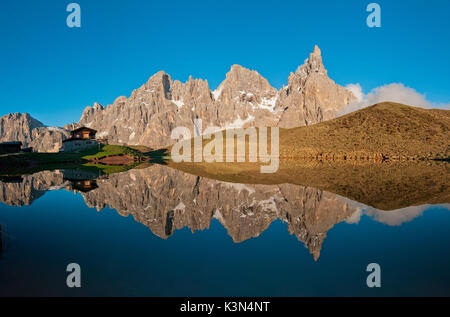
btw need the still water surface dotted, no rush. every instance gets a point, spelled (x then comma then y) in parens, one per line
(161, 232)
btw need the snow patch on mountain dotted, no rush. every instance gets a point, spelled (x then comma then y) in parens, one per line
(239, 123)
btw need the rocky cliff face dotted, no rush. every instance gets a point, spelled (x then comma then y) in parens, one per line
(31, 132)
(243, 99)
(152, 111)
(311, 96)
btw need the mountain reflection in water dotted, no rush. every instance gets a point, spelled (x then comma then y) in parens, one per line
(166, 199)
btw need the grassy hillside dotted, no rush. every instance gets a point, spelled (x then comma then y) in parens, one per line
(385, 130)
(111, 150)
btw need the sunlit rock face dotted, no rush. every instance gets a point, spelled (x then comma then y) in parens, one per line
(244, 98)
(152, 111)
(310, 95)
(31, 132)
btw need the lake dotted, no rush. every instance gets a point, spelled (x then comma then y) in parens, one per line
(161, 231)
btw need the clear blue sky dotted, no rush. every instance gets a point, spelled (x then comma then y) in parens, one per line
(53, 72)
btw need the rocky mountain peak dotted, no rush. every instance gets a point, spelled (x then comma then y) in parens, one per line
(17, 127)
(244, 98)
(194, 92)
(98, 106)
(245, 79)
(91, 111)
(160, 84)
(316, 51)
(316, 96)
(245, 85)
(31, 132)
(23, 118)
(160, 78)
(312, 65)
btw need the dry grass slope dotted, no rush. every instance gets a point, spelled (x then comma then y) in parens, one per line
(381, 156)
(383, 131)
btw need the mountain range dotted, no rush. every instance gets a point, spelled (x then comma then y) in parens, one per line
(149, 114)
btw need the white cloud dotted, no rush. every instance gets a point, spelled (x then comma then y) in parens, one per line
(355, 217)
(395, 92)
(356, 90)
(392, 217)
(399, 216)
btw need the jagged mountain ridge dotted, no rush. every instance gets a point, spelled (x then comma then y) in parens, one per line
(152, 111)
(244, 98)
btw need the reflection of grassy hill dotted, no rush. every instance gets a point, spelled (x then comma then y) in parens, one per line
(385, 130)
(111, 169)
(386, 186)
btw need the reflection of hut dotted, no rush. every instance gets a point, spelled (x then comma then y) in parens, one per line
(81, 180)
(10, 147)
(84, 185)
